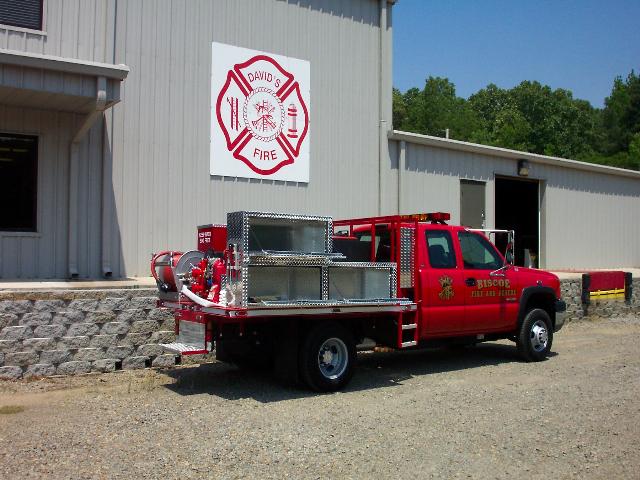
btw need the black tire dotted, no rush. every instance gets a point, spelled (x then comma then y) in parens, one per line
(535, 336)
(327, 357)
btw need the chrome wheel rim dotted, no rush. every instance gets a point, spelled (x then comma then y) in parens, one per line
(539, 336)
(332, 358)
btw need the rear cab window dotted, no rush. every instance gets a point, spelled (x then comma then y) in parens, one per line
(382, 242)
(358, 247)
(440, 249)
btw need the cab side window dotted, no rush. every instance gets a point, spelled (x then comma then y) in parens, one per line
(477, 252)
(440, 246)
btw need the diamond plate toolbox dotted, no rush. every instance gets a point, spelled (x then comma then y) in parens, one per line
(289, 258)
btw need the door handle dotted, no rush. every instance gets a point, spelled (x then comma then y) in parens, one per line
(470, 282)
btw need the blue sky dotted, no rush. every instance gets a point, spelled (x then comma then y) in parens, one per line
(580, 45)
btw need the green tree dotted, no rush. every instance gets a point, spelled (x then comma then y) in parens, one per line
(621, 114)
(413, 111)
(435, 109)
(399, 109)
(634, 151)
(535, 118)
(530, 117)
(511, 130)
(489, 102)
(554, 116)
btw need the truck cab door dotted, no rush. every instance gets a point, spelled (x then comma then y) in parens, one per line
(441, 284)
(490, 300)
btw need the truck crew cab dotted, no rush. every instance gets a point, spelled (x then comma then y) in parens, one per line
(404, 281)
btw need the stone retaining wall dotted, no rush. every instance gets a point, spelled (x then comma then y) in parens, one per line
(80, 331)
(44, 333)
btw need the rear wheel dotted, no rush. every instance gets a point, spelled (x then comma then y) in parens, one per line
(327, 357)
(535, 336)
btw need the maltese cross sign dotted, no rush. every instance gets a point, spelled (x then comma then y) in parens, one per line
(259, 115)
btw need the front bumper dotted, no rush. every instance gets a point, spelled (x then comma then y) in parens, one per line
(561, 314)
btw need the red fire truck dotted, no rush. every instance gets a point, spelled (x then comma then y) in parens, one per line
(300, 293)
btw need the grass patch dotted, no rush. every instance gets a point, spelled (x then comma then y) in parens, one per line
(9, 409)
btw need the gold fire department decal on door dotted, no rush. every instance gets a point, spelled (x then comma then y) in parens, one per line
(447, 292)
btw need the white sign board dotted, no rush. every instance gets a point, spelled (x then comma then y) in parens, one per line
(259, 115)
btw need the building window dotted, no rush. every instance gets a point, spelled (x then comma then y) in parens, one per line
(22, 13)
(18, 182)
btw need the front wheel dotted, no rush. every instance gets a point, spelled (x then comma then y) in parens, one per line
(327, 357)
(535, 336)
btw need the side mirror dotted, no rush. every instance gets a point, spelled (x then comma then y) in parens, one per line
(509, 254)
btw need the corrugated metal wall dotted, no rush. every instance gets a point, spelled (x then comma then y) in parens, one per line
(161, 129)
(431, 179)
(44, 254)
(158, 136)
(74, 29)
(591, 219)
(588, 220)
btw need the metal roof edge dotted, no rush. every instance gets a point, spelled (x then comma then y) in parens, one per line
(508, 153)
(62, 64)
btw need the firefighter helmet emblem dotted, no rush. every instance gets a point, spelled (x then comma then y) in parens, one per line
(446, 293)
(262, 115)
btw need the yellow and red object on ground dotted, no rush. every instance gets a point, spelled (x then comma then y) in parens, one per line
(606, 285)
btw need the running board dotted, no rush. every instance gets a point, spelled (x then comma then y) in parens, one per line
(412, 343)
(183, 348)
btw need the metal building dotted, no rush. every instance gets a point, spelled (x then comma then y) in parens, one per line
(566, 214)
(107, 119)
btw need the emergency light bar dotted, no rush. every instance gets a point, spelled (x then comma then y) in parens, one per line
(434, 217)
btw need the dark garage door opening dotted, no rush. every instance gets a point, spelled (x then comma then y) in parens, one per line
(517, 208)
(18, 182)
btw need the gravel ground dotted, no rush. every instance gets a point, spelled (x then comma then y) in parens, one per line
(474, 413)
